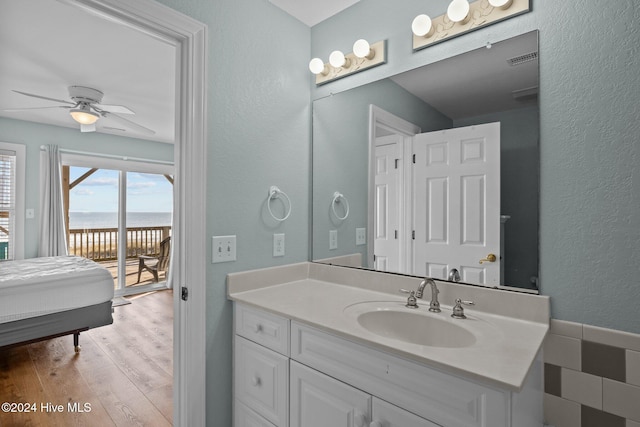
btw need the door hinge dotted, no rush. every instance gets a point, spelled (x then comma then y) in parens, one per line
(395, 234)
(184, 293)
(413, 158)
(413, 234)
(396, 163)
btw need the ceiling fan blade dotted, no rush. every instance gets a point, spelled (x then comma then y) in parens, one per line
(12, 110)
(44, 97)
(120, 109)
(129, 123)
(88, 128)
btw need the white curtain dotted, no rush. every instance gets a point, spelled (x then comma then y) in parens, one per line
(53, 235)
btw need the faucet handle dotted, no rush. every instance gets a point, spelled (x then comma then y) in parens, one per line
(458, 310)
(412, 302)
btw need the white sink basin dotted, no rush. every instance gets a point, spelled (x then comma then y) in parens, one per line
(394, 321)
(416, 328)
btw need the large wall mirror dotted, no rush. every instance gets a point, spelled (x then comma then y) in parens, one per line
(435, 171)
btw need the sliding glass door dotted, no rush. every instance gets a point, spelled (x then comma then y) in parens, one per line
(121, 217)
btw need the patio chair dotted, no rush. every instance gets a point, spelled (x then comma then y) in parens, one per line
(156, 264)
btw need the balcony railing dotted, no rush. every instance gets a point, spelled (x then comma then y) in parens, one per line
(101, 244)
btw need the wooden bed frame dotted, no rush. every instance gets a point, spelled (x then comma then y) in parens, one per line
(25, 331)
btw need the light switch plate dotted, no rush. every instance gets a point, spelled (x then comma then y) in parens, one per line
(30, 213)
(361, 236)
(333, 239)
(223, 248)
(278, 244)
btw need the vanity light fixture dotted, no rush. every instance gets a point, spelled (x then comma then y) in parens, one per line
(338, 60)
(362, 49)
(364, 56)
(422, 26)
(501, 4)
(462, 17)
(317, 66)
(458, 11)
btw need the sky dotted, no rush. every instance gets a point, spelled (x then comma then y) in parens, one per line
(99, 192)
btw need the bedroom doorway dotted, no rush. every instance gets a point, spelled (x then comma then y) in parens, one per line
(121, 219)
(190, 40)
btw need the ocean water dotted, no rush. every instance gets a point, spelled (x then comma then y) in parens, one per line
(110, 219)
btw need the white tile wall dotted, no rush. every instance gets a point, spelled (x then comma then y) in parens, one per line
(633, 367)
(561, 412)
(621, 399)
(582, 388)
(611, 337)
(563, 351)
(564, 328)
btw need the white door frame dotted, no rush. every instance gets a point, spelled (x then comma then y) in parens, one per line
(380, 117)
(189, 37)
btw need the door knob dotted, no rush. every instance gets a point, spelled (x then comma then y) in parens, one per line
(489, 258)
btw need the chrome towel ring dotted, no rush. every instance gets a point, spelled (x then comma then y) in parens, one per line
(339, 198)
(274, 193)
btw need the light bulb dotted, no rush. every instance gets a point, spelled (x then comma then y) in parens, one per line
(84, 115)
(421, 26)
(337, 59)
(316, 66)
(501, 4)
(458, 11)
(362, 49)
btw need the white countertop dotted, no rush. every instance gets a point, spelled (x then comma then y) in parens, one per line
(502, 355)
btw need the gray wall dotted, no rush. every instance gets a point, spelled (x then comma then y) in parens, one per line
(341, 156)
(33, 135)
(589, 83)
(259, 135)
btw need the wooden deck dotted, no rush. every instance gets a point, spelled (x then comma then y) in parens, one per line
(131, 273)
(124, 372)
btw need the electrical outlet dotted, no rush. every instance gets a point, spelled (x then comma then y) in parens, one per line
(361, 236)
(278, 244)
(333, 239)
(224, 248)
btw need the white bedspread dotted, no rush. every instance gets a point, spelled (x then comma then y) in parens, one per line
(37, 286)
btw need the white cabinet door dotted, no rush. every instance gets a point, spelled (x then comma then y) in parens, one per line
(387, 415)
(320, 401)
(261, 377)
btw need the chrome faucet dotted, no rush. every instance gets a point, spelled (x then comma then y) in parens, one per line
(434, 306)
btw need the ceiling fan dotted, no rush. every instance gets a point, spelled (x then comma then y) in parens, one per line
(85, 108)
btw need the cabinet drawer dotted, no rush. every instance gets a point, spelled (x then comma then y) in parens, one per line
(245, 417)
(261, 379)
(264, 328)
(388, 415)
(442, 398)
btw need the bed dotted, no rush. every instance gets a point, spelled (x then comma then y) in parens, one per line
(48, 297)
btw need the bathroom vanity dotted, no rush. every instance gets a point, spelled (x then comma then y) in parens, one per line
(319, 345)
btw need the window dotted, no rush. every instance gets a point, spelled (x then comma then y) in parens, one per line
(12, 181)
(120, 211)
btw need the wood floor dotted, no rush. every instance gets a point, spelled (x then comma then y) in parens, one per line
(122, 377)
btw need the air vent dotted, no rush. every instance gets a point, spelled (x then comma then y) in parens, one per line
(527, 57)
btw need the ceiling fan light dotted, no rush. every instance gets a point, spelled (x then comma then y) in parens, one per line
(84, 115)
